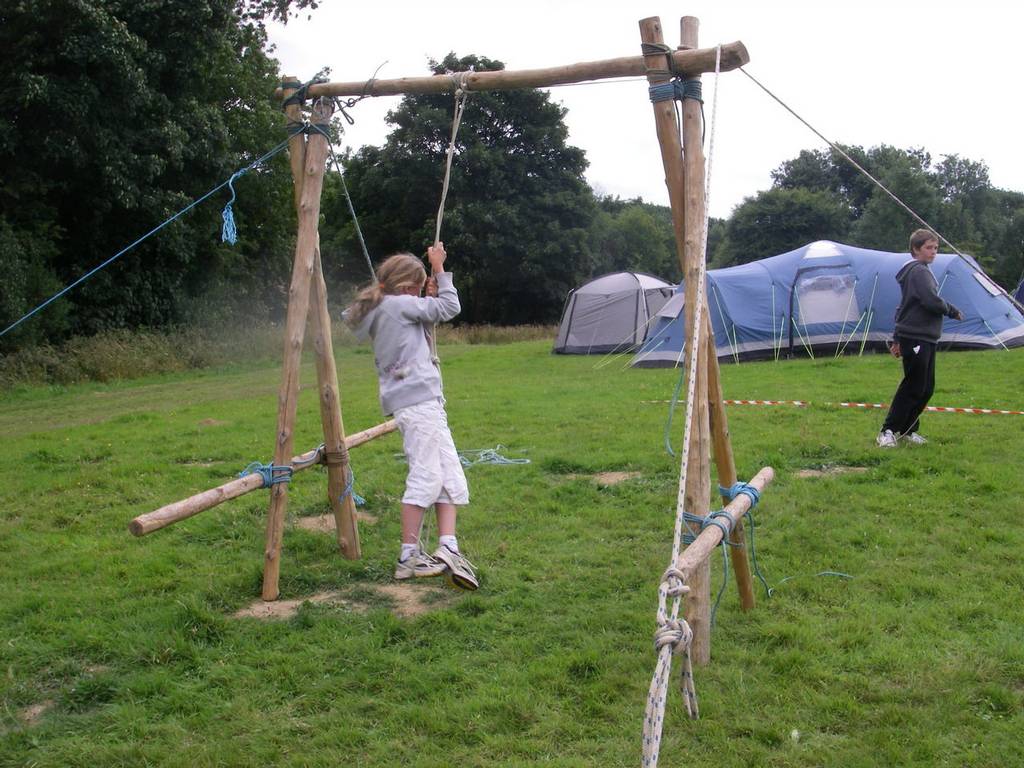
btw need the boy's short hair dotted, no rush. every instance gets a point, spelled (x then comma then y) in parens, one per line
(920, 237)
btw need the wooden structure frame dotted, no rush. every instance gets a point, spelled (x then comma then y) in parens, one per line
(683, 162)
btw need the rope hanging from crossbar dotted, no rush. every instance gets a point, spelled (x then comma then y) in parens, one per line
(673, 635)
(461, 96)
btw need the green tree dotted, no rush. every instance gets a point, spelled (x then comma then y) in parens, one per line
(635, 236)
(518, 209)
(116, 114)
(884, 224)
(780, 220)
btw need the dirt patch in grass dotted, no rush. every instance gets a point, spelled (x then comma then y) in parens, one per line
(609, 478)
(407, 600)
(32, 715)
(212, 423)
(325, 523)
(285, 609)
(415, 599)
(829, 471)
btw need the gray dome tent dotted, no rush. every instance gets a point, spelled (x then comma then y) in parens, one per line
(610, 313)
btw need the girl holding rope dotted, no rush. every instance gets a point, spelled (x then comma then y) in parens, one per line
(398, 320)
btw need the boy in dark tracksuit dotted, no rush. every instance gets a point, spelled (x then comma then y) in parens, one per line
(918, 328)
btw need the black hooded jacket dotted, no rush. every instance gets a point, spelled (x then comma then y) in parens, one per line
(919, 315)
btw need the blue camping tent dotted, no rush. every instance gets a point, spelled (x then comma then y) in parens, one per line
(1019, 293)
(829, 297)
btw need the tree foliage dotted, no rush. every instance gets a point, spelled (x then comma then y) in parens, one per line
(518, 209)
(820, 195)
(116, 114)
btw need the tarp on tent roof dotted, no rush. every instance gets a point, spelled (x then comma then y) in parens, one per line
(610, 313)
(830, 297)
(1019, 293)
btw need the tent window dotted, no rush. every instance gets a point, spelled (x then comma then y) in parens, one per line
(987, 284)
(827, 299)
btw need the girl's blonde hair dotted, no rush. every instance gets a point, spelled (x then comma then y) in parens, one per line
(394, 275)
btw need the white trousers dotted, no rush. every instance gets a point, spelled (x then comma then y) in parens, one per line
(435, 472)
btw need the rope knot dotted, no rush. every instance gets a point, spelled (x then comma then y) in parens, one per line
(673, 581)
(270, 473)
(738, 488)
(675, 633)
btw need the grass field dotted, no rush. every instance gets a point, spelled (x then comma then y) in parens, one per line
(119, 651)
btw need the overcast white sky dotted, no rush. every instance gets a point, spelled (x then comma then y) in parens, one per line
(938, 75)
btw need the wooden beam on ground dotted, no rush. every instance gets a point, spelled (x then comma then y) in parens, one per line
(200, 502)
(690, 560)
(734, 55)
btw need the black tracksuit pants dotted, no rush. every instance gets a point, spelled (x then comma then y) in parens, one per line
(915, 390)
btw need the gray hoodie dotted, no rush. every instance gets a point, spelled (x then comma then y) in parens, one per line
(919, 315)
(398, 327)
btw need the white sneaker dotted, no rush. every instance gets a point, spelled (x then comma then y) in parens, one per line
(420, 566)
(913, 438)
(460, 570)
(886, 439)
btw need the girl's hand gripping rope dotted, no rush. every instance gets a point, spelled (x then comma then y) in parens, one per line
(436, 256)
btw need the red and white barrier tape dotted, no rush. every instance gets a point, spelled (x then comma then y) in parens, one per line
(802, 403)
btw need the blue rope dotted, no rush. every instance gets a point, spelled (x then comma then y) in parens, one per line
(676, 90)
(473, 456)
(736, 489)
(768, 591)
(671, 409)
(229, 234)
(153, 231)
(268, 473)
(350, 490)
(719, 519)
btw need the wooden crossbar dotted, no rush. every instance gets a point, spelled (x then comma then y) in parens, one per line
(689, 62)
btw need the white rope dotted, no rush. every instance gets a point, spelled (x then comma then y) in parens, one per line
(674, 635)
(461, 94)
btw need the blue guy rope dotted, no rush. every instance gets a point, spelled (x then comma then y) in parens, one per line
(229, 233)
(153, 231)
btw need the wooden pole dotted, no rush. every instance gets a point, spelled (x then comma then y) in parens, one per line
(295, 329)
(734, 55)
(336, 455)
(719, 423)
(200, 502)
(726, 466)
(698, 495)
(691, 559)
(685, 182)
